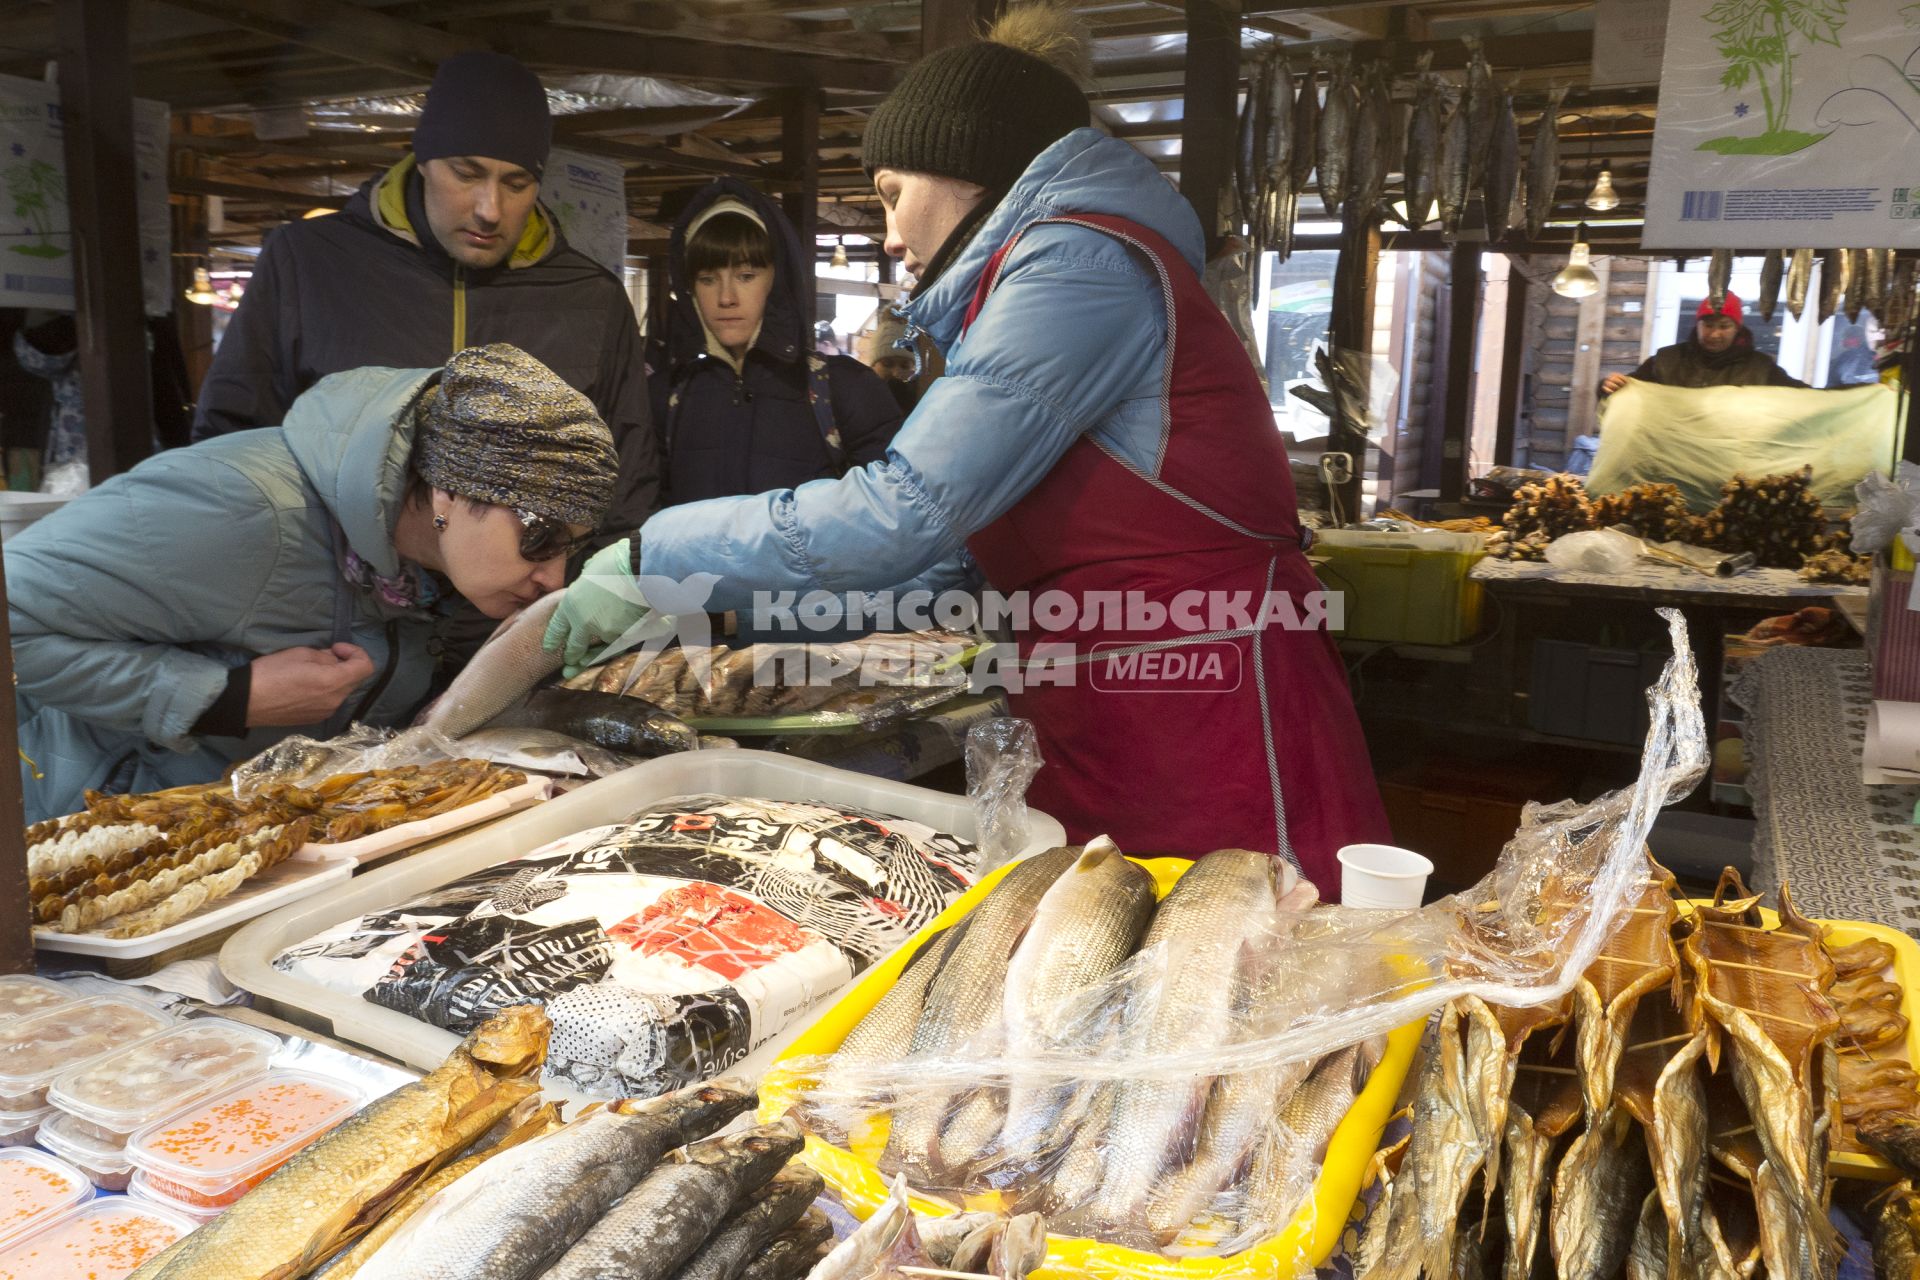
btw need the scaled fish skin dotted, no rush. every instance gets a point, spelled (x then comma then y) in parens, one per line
(1455, 139)
(1301, 148)
(1295, 1144)
(1857, 283)
(760, 1219)
(1333, 143)
(1543, 166)
(1836, 276)
(668, 1214)
(331, 1192)
(1799, 279)
(796, 1251)
(504, 671)
(1895, 1136)
(1772, 269)
(618, 722)
(1719, 275)
(1896, 1250)
(1423, 150)
(1482, 106)
(535, 1201)
(1503, 171)
(1276, 185)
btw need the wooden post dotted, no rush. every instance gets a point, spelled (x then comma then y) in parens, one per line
(1207, 125)
(1512, 370)
(950, 22)
(192, 243)
(1589, 336)
(96, 108)
(1463, 330)
(1351, 334)
(16, 910)
(800, 160)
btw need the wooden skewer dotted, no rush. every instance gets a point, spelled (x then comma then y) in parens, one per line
(1654, 1044)
(1760, 968)
(936, 1274)
(1544, 1069)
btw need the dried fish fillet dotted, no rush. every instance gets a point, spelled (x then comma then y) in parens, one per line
(1597, 1194)
(1869, 955)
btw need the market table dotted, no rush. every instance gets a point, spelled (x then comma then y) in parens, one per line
(1848, 850)
(1779, 590)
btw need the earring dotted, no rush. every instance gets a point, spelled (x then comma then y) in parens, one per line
(440, 522)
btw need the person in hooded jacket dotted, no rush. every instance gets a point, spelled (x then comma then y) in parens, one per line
(218, 598)
(1720, 353)
(1101, 444)
(745, 404)
(448, 249)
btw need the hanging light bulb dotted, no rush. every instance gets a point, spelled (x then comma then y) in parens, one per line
(839, 253)
(202, 293)
(1576, 279)
(1603, 197)
(318, 211)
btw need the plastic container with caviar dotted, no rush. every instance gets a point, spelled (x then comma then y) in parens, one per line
(22, 994)
(36, 1048)
(36, 1188)
(106, 1239)
(112, 1098)
(212, 1153)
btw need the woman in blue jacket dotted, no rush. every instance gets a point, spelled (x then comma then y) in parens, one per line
(745, 404)
(1101, 446)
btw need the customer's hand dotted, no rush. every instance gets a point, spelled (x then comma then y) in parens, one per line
(1613, 382)
(304, 686)
(601, 607)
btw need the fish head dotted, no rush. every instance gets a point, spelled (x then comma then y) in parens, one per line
(512, 1042)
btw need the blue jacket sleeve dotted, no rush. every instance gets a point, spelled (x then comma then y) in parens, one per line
(1019, 390)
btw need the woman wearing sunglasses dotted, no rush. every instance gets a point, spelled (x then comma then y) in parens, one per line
(214, 600)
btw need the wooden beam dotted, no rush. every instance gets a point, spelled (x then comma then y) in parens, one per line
(1350, 331)
(96, 105)
(636, 120)
(949, 22)
(665, 158)
(16, 908)
(800, 158)
(746, 30)
(673, 57)
(1464, 281)
(1589, 336)
(242, 144)
(343, 29)
(260, 192)
(1510, 371)
(1207, 130)
(209, 88)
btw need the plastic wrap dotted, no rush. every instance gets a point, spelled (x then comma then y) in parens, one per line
(1248, 1044)
(1002, 756)
(1595, 551)
(1886, 507)
(782, 687)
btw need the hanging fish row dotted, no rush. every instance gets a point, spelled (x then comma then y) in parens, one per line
(1455, 147)
(1851, 281)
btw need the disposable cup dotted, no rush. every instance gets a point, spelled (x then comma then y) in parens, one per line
(1380, 875)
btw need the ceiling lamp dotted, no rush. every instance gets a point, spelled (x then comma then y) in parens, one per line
(839, 253)
(202, 294)
(1576, 279)
(1603, 197)
(318, 211)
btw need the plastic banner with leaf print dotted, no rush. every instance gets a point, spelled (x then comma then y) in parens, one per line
(1788, 124)
(36, 242)
(588, 196)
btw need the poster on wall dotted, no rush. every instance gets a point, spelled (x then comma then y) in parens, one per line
(36, 243)
(588, 196)
(1788, 124)
(1628, 39)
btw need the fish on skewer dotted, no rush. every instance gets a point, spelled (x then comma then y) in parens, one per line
(1303, 147)
(1879, 272)
(1799, 280)
(1482, 104)
(1900, 287)
(1453, 191)
(1543, 165)
(1857, 284)
(1719, 276)
(1248, 144)
(1503, 171)
(1333, 141)
(1772, 270)
(1836, 278)
(1277, 192)
(1423, 151)
(1366, 157)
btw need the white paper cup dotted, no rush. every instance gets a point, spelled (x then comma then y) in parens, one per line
(1380, 875)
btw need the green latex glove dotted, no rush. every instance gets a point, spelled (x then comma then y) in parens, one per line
(602, 613)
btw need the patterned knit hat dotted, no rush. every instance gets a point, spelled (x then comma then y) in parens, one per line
(979, 112)
(503, 428)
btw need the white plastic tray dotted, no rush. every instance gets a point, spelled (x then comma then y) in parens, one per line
(408, 834)
(288, 882)
(247, 958)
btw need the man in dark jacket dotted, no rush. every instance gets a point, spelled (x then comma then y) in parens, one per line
(746, 404)
(1719, 354)
(446, 250)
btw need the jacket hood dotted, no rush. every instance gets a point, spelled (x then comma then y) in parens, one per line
(786, 331)
(1084, 172)
(383, 202)
(351, 434)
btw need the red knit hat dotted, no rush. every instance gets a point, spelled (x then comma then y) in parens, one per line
(1729, 308)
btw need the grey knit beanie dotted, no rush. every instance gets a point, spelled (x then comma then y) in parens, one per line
(503, 428)
(979, 112)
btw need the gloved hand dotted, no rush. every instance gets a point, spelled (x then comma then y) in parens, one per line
(600, 608)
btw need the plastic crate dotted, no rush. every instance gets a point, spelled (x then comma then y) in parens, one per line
(1585, 691)
(1409, 588)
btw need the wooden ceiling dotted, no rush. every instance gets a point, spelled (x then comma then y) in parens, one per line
(240, 74)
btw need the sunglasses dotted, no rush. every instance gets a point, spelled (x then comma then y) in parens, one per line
(543, 539)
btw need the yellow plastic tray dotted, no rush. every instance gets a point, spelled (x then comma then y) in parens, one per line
(1906, 971)
(1304, 1244)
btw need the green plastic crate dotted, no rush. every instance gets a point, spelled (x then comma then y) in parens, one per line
(1406, 588)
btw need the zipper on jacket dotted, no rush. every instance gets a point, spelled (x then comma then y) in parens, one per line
(459, 309)
(386, 674)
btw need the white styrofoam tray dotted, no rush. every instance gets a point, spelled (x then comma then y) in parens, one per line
(277, 887)
(408, 834)
(247, 958)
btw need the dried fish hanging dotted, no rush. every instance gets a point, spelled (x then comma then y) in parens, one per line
(1543, 166)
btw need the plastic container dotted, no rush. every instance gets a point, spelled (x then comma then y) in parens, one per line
(35, 1049)
(114, 1097)
(142, 1189)
(1589, 692)
(105, 1163)
(105, 1240)
(247, 958)
(36, 1188)
(17, 1127)
(1297, 1249)
(22, 994)
(1382, 876)
(1411, 588)
(18, 510)
(212, 1153)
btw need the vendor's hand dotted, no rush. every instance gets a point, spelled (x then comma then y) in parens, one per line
(1613, 382)
(304, 686)
(600, 608)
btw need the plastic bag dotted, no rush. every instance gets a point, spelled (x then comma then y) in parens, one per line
(1253, 1056)
(1885, 508)
(1595, 551)
(1002, 757)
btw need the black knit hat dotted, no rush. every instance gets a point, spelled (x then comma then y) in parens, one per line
(978, 112)
(485, 104)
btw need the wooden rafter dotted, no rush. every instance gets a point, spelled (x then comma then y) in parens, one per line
(346, 30)
(674, 57)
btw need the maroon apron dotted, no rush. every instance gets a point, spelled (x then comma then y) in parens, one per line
(1201, 732)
